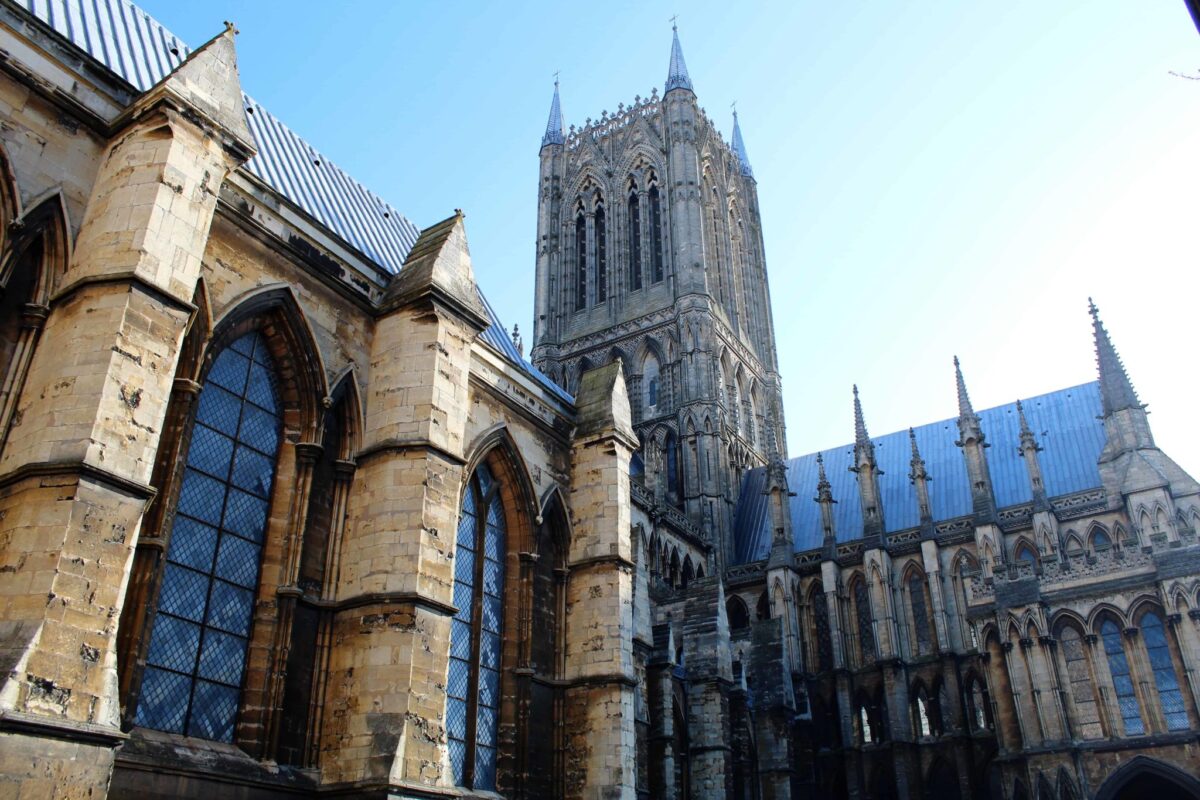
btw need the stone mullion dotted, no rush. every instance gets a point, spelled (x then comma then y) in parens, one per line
(1110, 717)
(287, 594)
(1144, 687)
(33, 319)
(523, 672)
(591, 269)
(1189, 648)
(343, 478)
(1018, 710)
(1054, 668)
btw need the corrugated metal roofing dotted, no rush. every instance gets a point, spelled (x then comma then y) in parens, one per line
(138, 49)
(1067, 426)
(496, 335)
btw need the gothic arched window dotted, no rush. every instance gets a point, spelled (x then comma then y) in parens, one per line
(922, 638)
(1165, 680)
(656, 237)
(635, 242)
(473, 687)
(821, 622)
(1026, 553)
(197, 655)
(866, 634)
(650, 384)
(1118, 667)
(978, 711)
(601, 256)
(580, 261)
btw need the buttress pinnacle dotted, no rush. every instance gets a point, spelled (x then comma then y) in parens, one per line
(1116, 390)
(860, 425)
(964, 400)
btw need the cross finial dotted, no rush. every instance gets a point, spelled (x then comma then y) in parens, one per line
(556, 78)
(733, 105)
(674, 27)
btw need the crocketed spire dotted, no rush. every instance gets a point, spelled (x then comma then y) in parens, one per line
(554, 125)
(739, 147)
(677, 74)
(861, 437)
(1116, 391)
(964, 400)
(917, 464)
(824, 489)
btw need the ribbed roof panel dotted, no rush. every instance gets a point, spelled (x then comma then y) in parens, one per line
(1067, 426)
(139, 50)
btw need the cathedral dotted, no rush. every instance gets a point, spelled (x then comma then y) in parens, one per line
(285, 512)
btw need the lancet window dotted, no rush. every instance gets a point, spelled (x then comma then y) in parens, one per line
(1118, 667)
(635, 238)
(922, 635)
(1166, 682)
(656, 235)
(601, 255)
(473, 687)
(820, 613)
(866, 634)
(197, 653)
(580, 259)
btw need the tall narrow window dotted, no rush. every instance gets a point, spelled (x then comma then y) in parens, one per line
(580, 262)
(635, 242)
(1165, 680)
(601, 257)
(1118, 666)
(922, 640)
(197, 650)
(473, 688)
(977, 705)
(866, 633)
(656, 239)
(824, 641)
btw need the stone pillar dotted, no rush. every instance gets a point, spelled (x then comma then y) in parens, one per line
(709, 674)
(387, 676)
(74, 478)
(601, 754)
(659, 690)
(775, 706)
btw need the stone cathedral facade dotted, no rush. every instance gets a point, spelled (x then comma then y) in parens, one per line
(286, 513)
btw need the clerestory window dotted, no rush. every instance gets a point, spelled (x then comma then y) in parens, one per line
(473, 687)
(197, 655)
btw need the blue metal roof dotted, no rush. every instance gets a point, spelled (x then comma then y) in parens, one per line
(496, 335)
(138, 49)
(1067, 426)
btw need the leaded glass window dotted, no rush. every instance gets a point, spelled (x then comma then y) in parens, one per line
(1165, 680)
(580, 262)
(656, 239)
(473, 688)
(866, 634)
(1118, 666)
(635, 242)
(601, 256)
(824, 642)
(197, 653)
(920, 613)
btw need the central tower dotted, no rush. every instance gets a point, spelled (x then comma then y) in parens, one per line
(650, 250)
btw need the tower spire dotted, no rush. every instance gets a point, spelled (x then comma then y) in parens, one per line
(739, 147)
(554, 125)
(677, 74)
(1116, 391)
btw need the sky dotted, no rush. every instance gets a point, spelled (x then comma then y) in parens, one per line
(934, 178)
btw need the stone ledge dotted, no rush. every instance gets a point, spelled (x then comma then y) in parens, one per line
(85, 732)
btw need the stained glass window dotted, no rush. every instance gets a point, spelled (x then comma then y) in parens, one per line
(656, 239)
(866, 634)
(635, 242)
(197, 653)
(1118, 666)
(601, 257)
(1165, 679)
(920, 613)
(473, 688)
(580, 263)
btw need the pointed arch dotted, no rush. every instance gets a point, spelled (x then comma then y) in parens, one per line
(1074, 543)
(1098, 537)
(1155, 778)
(1025, 550)
(45, 226)
(737, 613)
(10, 193)
(498, 449)
(275, 310)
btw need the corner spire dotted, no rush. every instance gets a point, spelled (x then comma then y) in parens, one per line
(1116, 391)
(677, 74)
(554, 125)
(861, 437)
(964, 400)
(739, 147)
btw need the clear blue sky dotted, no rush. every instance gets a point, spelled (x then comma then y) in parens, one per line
(934, 178)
